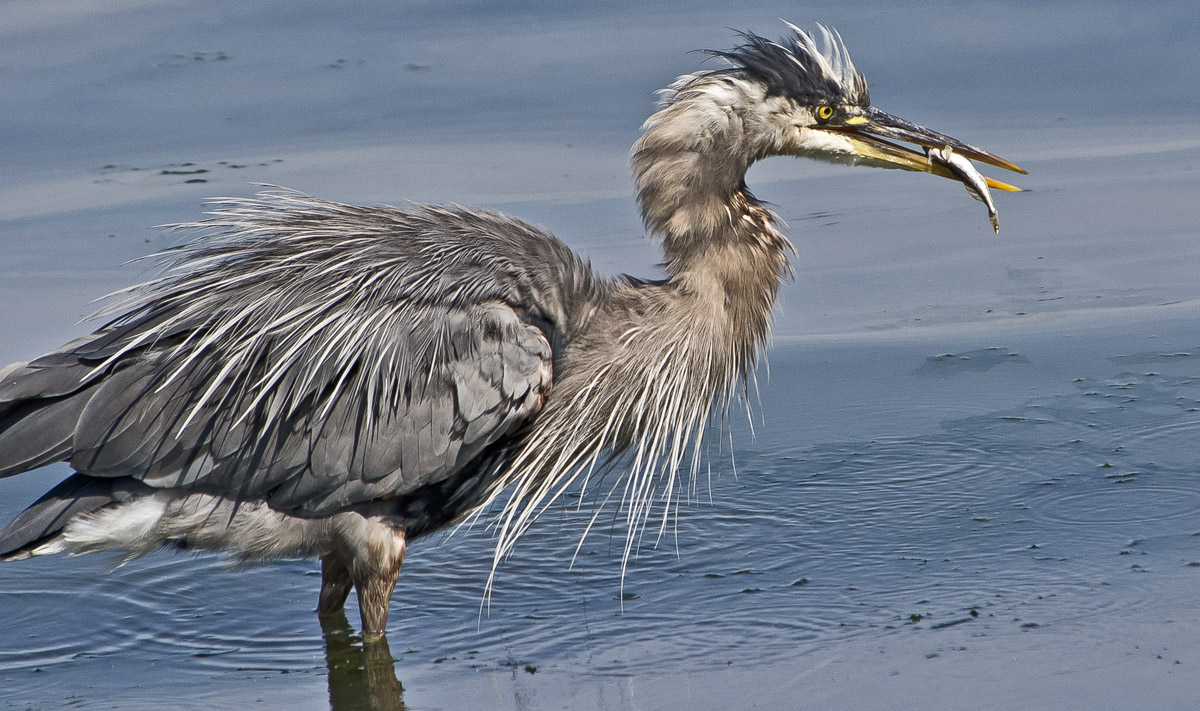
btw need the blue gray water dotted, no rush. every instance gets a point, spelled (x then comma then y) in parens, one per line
(972, 477)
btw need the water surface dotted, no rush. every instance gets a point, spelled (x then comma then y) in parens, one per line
(972, 478)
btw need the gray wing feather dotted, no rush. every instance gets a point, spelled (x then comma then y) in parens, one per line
(311, 354)
(428, 437)
(38, 411)
(40, 435)
(23, 381)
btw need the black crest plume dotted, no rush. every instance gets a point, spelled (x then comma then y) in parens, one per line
(796, 68)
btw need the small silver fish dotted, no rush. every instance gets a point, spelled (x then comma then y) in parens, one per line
(974, 182)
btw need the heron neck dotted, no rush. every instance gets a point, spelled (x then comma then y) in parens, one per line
(731, 276)
(720, 244)
(690, 167)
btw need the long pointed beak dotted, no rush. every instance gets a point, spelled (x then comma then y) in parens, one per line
(872, 137)
(873, 133)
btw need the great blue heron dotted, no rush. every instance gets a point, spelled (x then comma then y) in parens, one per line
(308, 378)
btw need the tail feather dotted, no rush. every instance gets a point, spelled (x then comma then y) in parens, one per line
(45, 518)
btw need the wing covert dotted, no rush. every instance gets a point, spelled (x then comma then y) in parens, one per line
(316, 355)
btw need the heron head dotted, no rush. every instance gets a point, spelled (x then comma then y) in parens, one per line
(816, 105)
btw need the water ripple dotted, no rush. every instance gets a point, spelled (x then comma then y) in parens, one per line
(1029, 516)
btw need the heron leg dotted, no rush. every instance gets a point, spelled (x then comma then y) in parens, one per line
(335, 584)
(375, 575)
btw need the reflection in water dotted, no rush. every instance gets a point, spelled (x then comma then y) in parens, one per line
(362, 675)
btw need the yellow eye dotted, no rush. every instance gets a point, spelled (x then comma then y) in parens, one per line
(824, 113)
